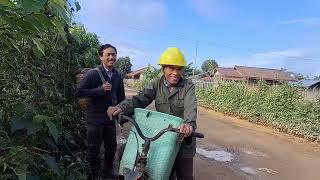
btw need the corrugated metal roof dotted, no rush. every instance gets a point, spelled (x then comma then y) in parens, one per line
(137, 72)
(239, 72)
(230, 72)
(264, 73)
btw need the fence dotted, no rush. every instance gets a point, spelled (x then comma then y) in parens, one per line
(204, 84)
(312, 95)
(130, 82)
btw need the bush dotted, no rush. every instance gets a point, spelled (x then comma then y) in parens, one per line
(280, 106)
(139, 85)
(42, 134)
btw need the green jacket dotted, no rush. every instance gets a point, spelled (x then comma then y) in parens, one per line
(181, 102)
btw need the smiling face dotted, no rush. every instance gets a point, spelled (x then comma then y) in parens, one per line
(108, 57)
(173, 74)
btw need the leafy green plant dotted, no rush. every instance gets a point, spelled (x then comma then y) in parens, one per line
(281, 106)
(151, 73)
(42, 131)
(140, 84)
(123, 65)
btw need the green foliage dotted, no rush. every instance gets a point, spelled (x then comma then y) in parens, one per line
(42, 133)
(27, 20)
(209, 65)
(85, 47)
(300, 76)
(123, 65)
(151, 73)
(197, 71)
(189, 70)
(280, 106)
(139, 85)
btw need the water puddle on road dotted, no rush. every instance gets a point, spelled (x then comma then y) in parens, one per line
(221, 156)
(254, 153)
(248, 170)
(267, 170)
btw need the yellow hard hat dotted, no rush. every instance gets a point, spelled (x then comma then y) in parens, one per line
(172, 56)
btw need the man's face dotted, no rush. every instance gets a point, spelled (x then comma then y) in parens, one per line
(173, 74)
(108, 57)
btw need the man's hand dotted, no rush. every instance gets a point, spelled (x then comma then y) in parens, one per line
(113, 111)
(185, 129)
(106, 86)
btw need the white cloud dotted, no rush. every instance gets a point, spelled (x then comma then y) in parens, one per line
(308, 21)
(99, 15)
(289, 53)
(248, 61)
(210, 8)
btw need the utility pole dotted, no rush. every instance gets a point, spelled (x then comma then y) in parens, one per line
(195, 60)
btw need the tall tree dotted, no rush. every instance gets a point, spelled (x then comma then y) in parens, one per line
(85, 47)
(123, 65)
(209, 65)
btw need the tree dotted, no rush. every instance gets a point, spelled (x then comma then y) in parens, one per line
(300, 76)
(189, 70)
(85, 46)
(39, 58)
(24, 22)
(209, 65)
(123, 65)
(151, 73)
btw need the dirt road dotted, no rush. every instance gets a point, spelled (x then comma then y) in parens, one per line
(237, 149)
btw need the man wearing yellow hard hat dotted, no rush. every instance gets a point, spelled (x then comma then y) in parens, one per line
(174, 95)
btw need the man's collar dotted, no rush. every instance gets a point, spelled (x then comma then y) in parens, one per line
(105, 68)
(166, 83)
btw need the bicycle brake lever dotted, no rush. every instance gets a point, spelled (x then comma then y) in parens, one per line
(121, 127)
(117, 121)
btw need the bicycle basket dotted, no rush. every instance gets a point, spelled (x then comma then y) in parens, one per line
(162, 152)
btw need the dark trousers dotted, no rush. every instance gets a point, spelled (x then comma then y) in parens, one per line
(96, 134)
(182, 169)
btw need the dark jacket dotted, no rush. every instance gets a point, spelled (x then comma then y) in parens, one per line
(91, 86)
(180, 102)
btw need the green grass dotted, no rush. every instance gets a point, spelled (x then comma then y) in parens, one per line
(282, 107)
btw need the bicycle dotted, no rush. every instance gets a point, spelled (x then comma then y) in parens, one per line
(139, 172)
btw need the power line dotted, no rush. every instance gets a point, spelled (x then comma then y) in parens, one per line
(195, 61)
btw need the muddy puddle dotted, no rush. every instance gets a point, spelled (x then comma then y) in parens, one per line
(217, 155)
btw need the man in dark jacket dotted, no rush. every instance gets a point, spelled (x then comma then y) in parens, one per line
(100, 128)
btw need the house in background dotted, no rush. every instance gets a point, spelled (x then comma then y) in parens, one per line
(252, 75)
(133, 77)
(136, 75)
(228, 74)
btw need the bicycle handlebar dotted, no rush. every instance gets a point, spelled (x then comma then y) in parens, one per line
(123, 119)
